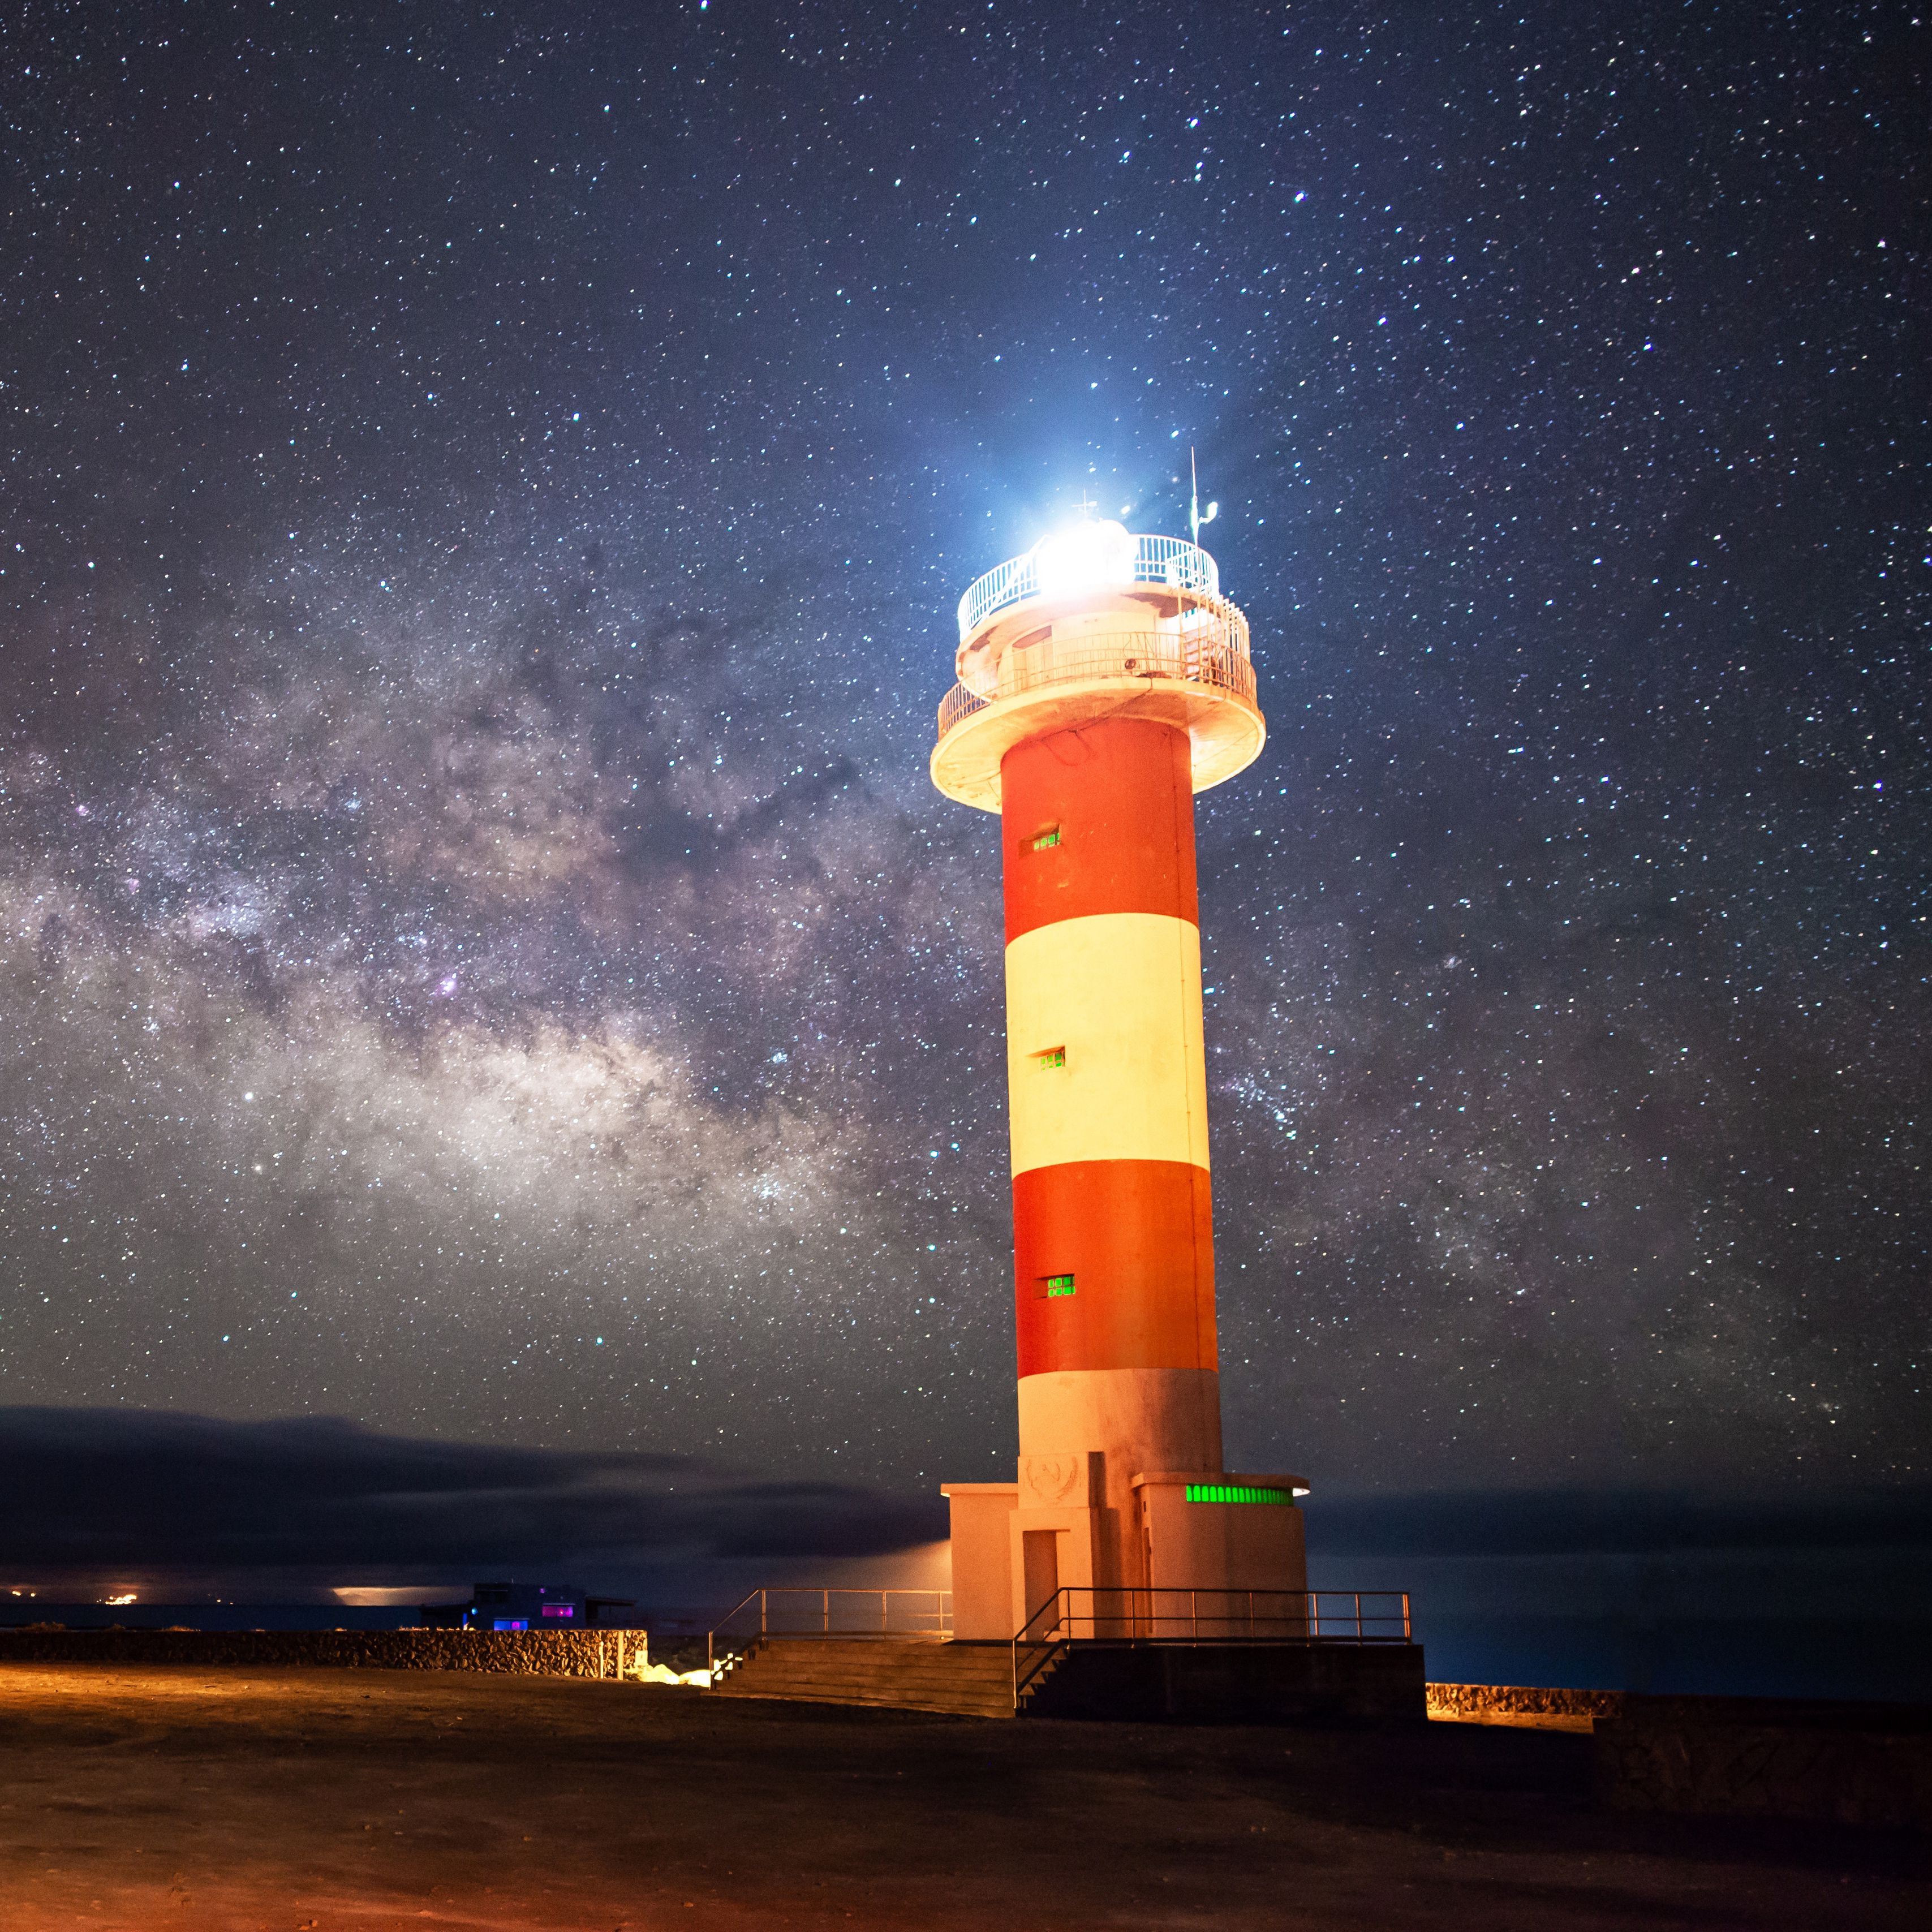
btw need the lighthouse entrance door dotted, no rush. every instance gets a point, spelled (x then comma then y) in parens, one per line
(1040, 1549)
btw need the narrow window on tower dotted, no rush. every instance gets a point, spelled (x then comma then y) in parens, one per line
(1045, 841)
(1054, 1056)
(1051, 1287)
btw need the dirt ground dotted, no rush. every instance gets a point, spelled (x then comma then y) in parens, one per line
(342, 1801)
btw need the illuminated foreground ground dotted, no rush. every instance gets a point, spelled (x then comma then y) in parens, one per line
(336, 1799)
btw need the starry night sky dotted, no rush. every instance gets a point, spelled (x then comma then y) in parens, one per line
(482, 507)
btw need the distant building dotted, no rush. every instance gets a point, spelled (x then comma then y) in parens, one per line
(524, 1607)
(519, 1606)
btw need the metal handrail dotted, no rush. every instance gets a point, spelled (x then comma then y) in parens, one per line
(1188, 1615)
(1172, 561)
(1218, 660)
(934, 1621)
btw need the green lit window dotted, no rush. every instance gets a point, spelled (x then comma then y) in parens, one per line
(1054, 1056)
(1045, 841)
(1237, 1492)
(1057, 1284)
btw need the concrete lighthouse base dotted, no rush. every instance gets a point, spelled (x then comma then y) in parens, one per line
(1212, 1623)
(1068, 1524)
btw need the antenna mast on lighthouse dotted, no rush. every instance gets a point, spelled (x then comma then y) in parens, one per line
(1195, 518)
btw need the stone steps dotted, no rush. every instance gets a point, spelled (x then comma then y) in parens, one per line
(961, 1679)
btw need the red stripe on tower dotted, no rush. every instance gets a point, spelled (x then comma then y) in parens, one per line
(1135, 1239)
(1099, 818)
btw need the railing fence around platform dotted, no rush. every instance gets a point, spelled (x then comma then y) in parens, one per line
(788, 1610)
(1078, 1613)
(1217, 657)
(1169, 561)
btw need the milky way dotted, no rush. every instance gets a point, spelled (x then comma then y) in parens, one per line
(483, 506)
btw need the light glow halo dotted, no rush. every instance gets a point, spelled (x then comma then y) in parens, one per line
(1088, 556)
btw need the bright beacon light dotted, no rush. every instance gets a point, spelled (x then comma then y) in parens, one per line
(1089, 556)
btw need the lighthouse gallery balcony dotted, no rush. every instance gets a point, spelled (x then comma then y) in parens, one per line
(1097, 623)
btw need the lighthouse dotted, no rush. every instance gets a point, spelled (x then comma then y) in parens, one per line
(1102, 681)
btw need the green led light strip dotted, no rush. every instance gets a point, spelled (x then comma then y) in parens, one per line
(1237, 1492)
(1047, 839)
(1058, 1284)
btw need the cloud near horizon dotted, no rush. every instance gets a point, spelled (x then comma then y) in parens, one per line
(191, 1501)
(298, 1505)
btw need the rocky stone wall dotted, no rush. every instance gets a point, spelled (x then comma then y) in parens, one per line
(1526, 1706)
(516, 1653)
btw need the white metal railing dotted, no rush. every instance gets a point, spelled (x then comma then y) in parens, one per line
(1217, 658)
(1077, 1614)
(1172, 561)
(796, 1610)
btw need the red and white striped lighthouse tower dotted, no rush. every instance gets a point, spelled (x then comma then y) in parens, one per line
(1103, 681)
